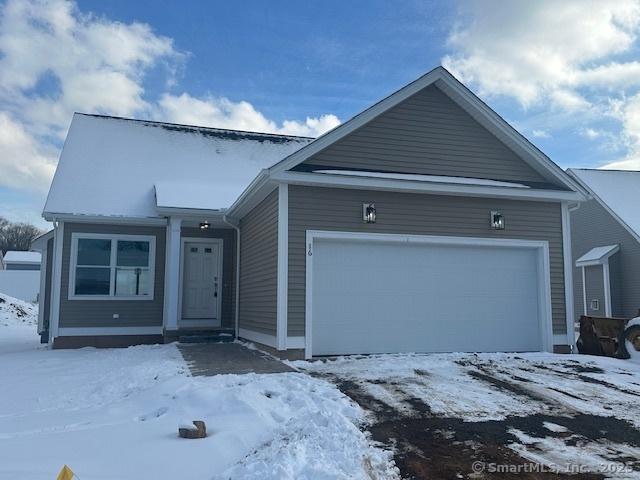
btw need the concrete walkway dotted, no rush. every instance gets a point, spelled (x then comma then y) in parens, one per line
(209, 359)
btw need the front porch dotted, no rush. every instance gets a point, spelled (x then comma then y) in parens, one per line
(200, 283)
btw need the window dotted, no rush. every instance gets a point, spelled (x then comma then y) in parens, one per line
(111, 267)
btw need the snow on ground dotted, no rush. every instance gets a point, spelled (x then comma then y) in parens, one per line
(577, 409)
(114, 413)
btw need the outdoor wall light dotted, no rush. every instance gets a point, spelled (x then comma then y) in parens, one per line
(497, 220)
(204, 225)
(369, 212)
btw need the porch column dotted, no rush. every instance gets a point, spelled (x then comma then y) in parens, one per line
(172, 274)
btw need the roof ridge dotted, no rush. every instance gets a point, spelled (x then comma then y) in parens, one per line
(619, 170)
(195, 127)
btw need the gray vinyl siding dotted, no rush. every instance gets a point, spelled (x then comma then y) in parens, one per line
(315, 208)
(47, 286)
(228, 295)
(427, 134)
(593, 226)
(259, 267)
(615, 272)
(99, 313)
(594, 283)
(21, 266)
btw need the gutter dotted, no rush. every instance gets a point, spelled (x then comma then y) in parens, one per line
(236, 226)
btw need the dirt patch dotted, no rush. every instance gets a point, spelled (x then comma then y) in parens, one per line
(429, 446)
(507, 387)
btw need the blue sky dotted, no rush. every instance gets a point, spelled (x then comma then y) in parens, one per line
(566, 74)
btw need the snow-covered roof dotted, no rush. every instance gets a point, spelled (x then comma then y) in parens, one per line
(113, 166)
(597, 255)
(619, 190)
(192, 195)
(14, 256)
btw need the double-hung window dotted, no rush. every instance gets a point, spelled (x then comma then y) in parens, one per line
(114, 267)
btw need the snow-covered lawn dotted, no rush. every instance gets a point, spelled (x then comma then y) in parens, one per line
(556, 410)
(114, 413)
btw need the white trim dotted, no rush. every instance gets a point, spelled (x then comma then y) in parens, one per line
(568, 275)
(211, 240)
(283, 265)
(460, 95)
(172, 274)
(75, 236)
(296, 342)
(263, 338)
(120, 330)
(412, 186)
(584, 291)
(104, 219)
(544, 277)
(56, 281)
(606, 278)
(43, 288)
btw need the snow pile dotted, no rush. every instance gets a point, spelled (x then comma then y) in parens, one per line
(114, 413)
(14, 312)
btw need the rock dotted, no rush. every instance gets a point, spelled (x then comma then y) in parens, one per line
(199, 430)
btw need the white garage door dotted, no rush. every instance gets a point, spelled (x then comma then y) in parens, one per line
(384, 297)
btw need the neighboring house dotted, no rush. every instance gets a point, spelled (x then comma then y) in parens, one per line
(15, 260)
(20, 276)
(425, 223)
(606, 244)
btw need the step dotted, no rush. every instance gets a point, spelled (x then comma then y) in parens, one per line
(209, 337)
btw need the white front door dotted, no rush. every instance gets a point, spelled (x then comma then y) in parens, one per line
(202, 285)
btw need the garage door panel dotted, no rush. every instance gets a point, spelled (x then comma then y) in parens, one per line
(383, 297)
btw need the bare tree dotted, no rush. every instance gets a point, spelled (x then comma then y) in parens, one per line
(16, 236)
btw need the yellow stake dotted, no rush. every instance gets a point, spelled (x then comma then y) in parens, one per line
(65, 474)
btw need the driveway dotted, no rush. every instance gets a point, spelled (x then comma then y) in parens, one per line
(515, 416)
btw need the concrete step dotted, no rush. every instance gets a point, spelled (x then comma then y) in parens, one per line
(206, 337)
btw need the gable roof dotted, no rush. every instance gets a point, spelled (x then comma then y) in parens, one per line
(618, 191)
(111, 166)
(22, 258)
(461, 95)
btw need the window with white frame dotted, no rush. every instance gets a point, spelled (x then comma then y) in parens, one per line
(112, 266)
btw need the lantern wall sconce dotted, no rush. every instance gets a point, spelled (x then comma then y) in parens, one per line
(369, 212)
(204, 225)
(497, 220)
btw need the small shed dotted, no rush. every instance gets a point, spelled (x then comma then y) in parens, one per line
(16, 260)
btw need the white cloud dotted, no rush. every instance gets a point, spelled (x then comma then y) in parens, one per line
(95, 65)
(590, 133)
(541, 134)
(544, 51)
(573, 58)
(23, 162)
(224, 113)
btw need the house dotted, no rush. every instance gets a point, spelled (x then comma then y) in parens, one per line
(606, 244)
(14, 260)
(19, 275)
(423, 224)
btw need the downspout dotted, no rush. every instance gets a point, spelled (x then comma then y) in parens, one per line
(236, 227)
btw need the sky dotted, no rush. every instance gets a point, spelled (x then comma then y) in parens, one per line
(565, 74)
